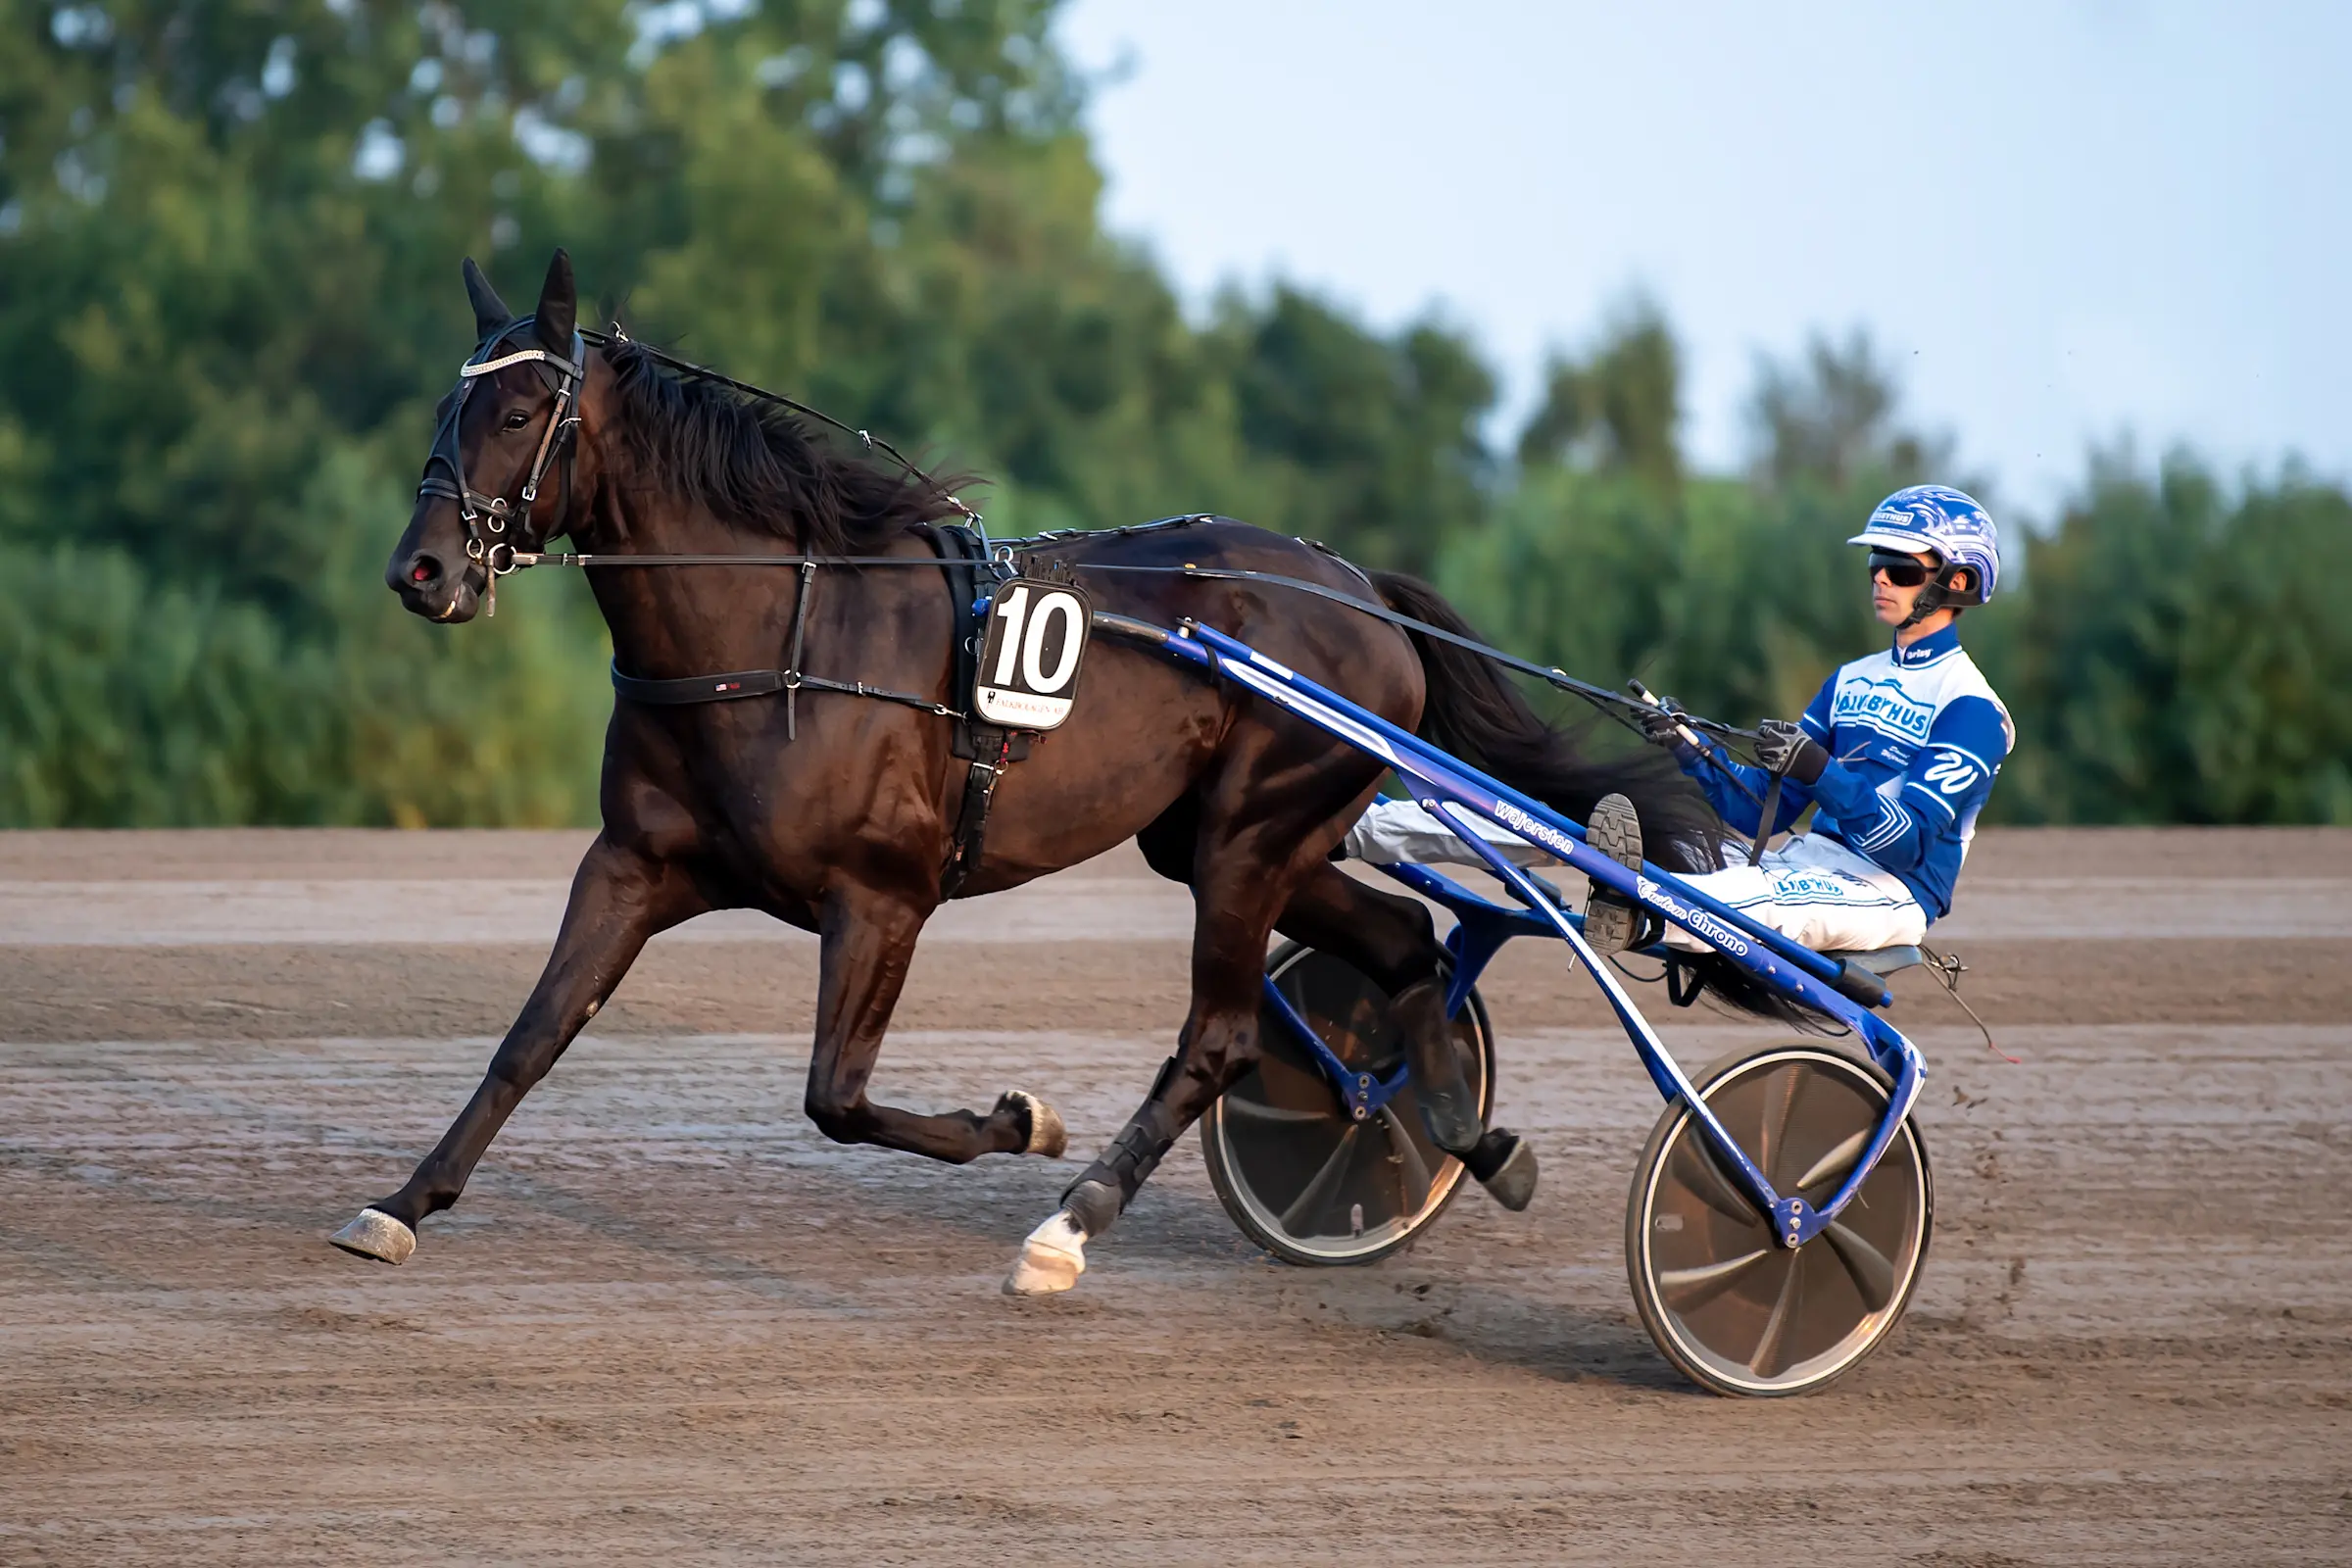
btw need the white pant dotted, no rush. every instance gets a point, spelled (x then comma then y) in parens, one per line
(1819, 892)
(1404, 832)
(1813, 889)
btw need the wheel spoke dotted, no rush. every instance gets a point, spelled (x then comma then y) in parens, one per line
(1872, 1274)
(1317, 1193)
(1709, 1184)
(1695, 1287)
(1259, 1111)
(1838, 1161)
(1415, 1170)
(1780, 1109)
(1766, 1362)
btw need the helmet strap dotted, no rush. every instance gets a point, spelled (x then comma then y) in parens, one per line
(1938, 593)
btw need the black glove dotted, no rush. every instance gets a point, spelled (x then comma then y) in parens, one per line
(1784, 747)
(1662, 725)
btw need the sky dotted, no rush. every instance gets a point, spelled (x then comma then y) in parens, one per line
(2063, 225)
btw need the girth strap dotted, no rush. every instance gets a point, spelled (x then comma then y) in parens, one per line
(990, 748)
(971, 817)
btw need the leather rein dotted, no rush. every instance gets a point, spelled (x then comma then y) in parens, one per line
(486, 517)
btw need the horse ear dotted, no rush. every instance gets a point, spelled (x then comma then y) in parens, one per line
(558, 307)
(490, 312)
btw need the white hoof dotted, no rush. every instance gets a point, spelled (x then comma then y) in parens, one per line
(377, 1235)
(1051, 1258)
(1047, 1135)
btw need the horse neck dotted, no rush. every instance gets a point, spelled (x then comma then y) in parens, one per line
(685, 620)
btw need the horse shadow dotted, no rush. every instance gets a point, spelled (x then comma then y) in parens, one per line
(854, 1201)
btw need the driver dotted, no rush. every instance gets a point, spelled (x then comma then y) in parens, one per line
(1897, 752)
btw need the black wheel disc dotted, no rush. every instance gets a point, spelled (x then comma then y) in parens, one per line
(1726, 1303)
(1297, 1173)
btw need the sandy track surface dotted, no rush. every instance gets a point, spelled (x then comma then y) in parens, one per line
(670, 1319)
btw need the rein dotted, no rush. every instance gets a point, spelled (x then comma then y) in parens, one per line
(500, 557)
(1551, 675)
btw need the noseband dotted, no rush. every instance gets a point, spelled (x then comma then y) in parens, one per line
(485, 516)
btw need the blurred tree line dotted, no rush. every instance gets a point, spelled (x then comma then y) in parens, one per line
(229, 297)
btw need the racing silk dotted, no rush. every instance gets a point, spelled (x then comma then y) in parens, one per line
(1916, 736)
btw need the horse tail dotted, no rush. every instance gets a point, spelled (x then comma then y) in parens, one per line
(1475, 713)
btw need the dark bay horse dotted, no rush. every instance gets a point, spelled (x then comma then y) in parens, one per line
(843, 828)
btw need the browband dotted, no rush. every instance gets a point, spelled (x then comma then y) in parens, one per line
(568, 367)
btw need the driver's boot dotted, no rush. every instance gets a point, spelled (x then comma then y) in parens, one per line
(1612, 920)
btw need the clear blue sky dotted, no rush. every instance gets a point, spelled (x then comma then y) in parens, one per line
(2062, 221)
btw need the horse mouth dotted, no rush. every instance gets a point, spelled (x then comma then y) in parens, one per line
(445, 604)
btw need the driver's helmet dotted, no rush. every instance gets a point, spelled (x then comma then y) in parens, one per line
(1948, 521)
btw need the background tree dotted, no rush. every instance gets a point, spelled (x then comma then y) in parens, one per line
(1830, 417)
(228, 246)
(1618, 411)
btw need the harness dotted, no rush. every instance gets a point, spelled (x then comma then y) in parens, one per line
(963, 550)
(989, 749)
(965, 553)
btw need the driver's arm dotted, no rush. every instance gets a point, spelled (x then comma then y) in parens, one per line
(1946, 784)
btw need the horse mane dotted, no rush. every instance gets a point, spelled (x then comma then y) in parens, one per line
(755, 463)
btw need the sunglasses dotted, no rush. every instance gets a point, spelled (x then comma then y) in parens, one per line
(1901, 571)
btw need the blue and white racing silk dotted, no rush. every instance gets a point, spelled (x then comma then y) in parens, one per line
(1916, 737)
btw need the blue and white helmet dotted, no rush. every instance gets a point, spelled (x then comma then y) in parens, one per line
(1948, 521)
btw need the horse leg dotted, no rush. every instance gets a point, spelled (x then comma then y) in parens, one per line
(1236, 895)
(1390, 938)
(868, 940)
(1392, 941)
(619, 898)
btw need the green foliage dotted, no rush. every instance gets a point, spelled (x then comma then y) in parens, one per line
(2185, 657)
(228, 298)
(1620, 411)
(1737, 601)
(2166, 652)
(1377, 441)
(228, 241)
(1831, 419)
(128, 697)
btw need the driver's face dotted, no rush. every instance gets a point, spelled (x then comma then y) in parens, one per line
(1893, 604)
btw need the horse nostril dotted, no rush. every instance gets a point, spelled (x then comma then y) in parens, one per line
(424, 569)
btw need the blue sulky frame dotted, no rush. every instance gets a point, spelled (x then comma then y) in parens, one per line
(1461, 794)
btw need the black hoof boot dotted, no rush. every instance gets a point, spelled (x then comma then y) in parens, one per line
(1093, 1204)
(1505, 1167)
(1448, 1109)
(1452, 1118)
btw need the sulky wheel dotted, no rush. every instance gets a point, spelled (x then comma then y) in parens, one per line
(1734, 1311)
(1297, 1173)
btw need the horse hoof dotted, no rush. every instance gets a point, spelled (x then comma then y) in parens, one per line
(1505, 1167)
(1051, 1258)
(1047, 1135)
(377, 1235)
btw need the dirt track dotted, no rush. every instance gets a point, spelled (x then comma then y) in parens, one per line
(670, 1320)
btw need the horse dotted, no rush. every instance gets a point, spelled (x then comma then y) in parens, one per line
(835, 807)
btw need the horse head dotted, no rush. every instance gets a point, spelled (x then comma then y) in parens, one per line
(504, 469)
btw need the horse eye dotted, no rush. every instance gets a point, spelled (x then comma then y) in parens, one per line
(517, 419)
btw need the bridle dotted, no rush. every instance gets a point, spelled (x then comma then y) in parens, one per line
(485, 517)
